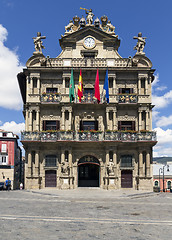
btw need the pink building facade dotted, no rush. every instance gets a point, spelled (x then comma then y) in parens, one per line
(10, 159)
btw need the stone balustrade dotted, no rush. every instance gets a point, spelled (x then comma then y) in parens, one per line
(89, 136)
(84, 62)
(51, 97)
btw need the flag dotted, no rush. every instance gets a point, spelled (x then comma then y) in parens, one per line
(80, 86)
(71, 87)
(96, 87)
(106, 86)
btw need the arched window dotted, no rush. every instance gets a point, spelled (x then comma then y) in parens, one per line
(50, 161)
(169, 184)
(156, 183)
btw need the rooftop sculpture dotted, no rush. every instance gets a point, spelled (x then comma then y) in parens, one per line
(140, 43)
(38, 43)
(77, 23)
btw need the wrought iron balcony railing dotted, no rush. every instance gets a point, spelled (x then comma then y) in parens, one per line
(127, 98)
(50, 97)
(88, 136)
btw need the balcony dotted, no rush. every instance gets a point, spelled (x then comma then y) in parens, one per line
(127, 98)
(50, 97)
(88, 136)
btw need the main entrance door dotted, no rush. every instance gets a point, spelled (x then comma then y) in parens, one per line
(126, 179)
(50, 178)
(88, 172)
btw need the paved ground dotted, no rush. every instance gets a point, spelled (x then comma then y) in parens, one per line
(85, 214)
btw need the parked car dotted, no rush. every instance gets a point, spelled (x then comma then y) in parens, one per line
(2, 186)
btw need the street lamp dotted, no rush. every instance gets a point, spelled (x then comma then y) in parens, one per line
(161, 170)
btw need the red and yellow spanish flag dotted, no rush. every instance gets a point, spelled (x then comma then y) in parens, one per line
(96, 87)
(80, 86)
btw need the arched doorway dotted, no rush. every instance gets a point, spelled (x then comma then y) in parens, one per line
(88, 172)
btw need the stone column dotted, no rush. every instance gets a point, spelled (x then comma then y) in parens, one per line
(140, 120)
(148, 164)
(38, 85)
(30, 120)
(37, 120)
(26, 120)
(150, 120)
(107, 118)
(139, 85)
(107, 156)
(63, 119)
(36, 164)
(31, 85)
(114, 120)
(70, 119)
(114, 85)
(140, 164)
(70, 167)
(146, 86)
(29, 157)
(147, 120)
(27, 87)
(62, 155)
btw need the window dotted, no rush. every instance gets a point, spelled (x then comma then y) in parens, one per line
(35, 82)
(89, 125)
(51, 125)
(169, 184)
(4, 148)
(51, 90)
(125, 90)
(156, 183)
(126, 161)
(4, 134)
(126, 125)
(66, 155)
(110, 155)
(50, 161)
(3, 159)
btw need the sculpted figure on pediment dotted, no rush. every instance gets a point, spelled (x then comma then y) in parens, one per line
(73, 25)
(141, 41)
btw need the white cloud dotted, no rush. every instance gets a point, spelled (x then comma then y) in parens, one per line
(164, 145)
(156, 80)
(164, 121)
(161, 88)
(162, 101)
(13, 127)
(10, 66)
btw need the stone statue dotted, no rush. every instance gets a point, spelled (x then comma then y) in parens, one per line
(140, 43)
(38, 43)
(111, 28)
(65, 167)
(73, 25)
(90, 15)
(97, 23)
(110, 168)
(104, 20)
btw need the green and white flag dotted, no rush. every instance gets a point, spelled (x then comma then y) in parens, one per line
(71, 87)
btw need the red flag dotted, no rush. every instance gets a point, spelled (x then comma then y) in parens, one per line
(96, 87)
(80, 86)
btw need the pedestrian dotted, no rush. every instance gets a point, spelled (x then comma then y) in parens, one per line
(21, 186)
(8, 184)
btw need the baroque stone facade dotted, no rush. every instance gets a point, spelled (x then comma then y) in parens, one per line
(86, 144)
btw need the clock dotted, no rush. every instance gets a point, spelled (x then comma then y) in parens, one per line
(89, 42)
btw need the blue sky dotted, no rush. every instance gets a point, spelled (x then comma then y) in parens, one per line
(21, 20)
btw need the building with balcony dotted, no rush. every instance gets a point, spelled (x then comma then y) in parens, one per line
(10, 159)
(88, 142)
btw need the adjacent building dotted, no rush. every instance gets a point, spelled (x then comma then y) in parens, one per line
(101, 140)
(10, 159)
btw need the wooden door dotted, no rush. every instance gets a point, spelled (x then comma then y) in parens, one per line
(50, 178)
(126, 179)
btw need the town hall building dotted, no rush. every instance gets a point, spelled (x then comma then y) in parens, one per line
(88, 112)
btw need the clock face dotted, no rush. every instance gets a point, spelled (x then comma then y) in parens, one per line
(89, 42)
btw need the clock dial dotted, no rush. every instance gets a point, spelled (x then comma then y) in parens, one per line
(89, 42)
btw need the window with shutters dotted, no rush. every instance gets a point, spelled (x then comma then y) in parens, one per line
(4, 159)
(89, 125)
(126, 125)
(51, 125)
